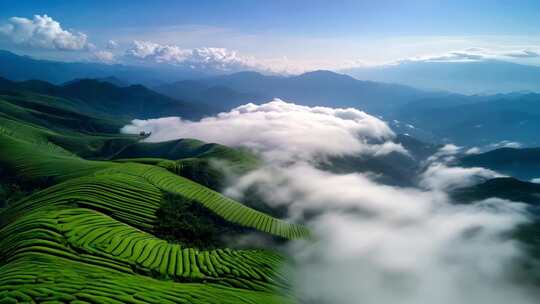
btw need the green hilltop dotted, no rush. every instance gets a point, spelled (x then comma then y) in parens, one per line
(89, 215)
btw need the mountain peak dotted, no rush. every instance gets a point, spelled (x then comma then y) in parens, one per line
(7, 53)
(320, 72)
(247, 73)
(325, 74)
(251, 75)
(113, 80)
(87, 82)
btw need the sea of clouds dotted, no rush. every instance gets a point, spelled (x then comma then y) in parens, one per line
(374, 243)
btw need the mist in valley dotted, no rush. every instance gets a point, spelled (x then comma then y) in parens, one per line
(371, 242)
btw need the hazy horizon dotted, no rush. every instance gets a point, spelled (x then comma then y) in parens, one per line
(280, 36)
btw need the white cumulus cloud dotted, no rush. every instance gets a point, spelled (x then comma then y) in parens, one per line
(104, 56)
(202, 58)
(111, 45)
(281, 130)
(43, 31)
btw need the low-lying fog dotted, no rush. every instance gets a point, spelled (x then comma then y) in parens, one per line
(374, 243)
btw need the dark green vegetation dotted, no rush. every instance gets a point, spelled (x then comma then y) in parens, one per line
(82, 225)
(103, 98)
(188, 148)
(188, 222)
(521, 163)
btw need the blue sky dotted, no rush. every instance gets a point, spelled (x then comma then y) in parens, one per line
(293, 35)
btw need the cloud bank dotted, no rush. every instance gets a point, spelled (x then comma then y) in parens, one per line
(374, 243)
(477, 54)
(220, 59)
(524, 54)
(104, 56)
(493, 146)
(382, 244)
(43, 32)
(457, 57)
(439, 176)
(281, 130)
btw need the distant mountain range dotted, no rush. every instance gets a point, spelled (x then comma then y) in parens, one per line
(503, 187)
(433, 116)
(476, 77)
(521, 166)
(318, 88)
(223, 92)
(520, 163)
(110, 79)
(222, 98)
(437, 116)
(101, 97)
(20, 68)
(474, 120)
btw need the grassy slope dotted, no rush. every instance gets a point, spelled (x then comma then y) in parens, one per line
(186, 148)
(88, 236)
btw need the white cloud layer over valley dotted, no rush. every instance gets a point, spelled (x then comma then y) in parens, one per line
(375, 243)
(281, 130)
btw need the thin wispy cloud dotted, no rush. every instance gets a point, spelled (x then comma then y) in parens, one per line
(524, 54)
(457, 57)
(475, 54)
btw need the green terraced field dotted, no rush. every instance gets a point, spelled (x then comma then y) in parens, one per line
(87, 234)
